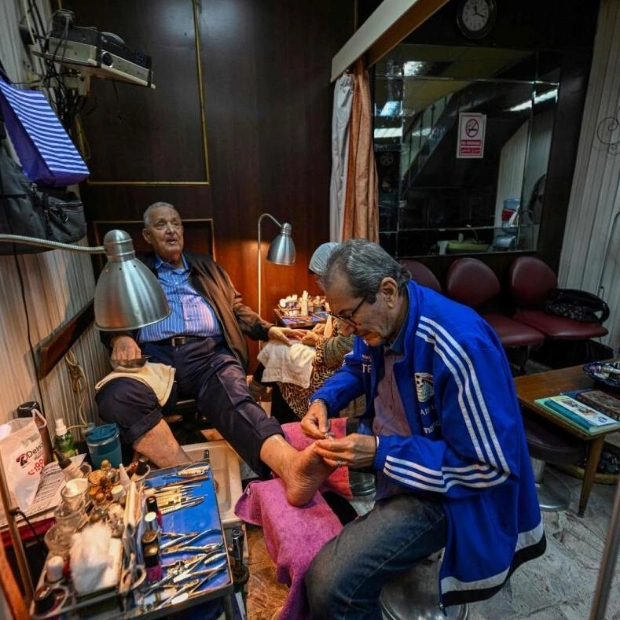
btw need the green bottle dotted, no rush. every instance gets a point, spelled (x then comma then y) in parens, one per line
(64, 440)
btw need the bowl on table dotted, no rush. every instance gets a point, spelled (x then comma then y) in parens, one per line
(606, 373)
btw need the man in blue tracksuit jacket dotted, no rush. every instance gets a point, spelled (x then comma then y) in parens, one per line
(443, 431)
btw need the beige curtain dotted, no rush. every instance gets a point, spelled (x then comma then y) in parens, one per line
(361, 210)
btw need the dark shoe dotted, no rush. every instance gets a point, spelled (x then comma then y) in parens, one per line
(202, 421)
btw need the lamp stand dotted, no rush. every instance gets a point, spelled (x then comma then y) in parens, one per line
(281, 252)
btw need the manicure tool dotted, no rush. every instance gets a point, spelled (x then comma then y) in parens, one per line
(182, 540)
(131, 577)
(191, 471)
(192, 548)
(183, 504)
(328, 433)
(186, 591)
(173, 570)
(189, 573)
(190, 585)
(205, 572)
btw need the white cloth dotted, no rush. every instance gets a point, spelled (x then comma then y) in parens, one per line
(287, 364)
(159, 377)
(341, 114)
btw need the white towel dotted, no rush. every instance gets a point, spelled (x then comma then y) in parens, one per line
(159, 377)
(292, 364)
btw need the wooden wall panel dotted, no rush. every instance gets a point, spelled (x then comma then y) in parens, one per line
(266, 99)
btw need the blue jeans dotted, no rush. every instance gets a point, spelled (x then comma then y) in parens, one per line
(346, 577)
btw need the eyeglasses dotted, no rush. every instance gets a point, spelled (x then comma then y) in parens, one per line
(348, 318)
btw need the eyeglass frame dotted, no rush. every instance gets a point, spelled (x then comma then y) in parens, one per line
(348, 320)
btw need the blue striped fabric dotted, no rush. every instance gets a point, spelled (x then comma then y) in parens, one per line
(191, 315)
(44, 148)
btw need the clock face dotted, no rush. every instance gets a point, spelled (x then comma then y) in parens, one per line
(475, 18)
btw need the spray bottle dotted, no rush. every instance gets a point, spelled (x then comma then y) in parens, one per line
(64, 439)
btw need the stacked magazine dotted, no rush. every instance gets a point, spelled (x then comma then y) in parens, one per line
(579, 414)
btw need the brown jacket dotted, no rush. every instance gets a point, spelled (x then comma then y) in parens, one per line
(215, 286)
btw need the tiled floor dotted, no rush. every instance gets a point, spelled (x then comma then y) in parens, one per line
(558, 586)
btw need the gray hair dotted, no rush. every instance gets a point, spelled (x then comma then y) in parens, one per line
(146, 218)
(319, 259)
(365, 265)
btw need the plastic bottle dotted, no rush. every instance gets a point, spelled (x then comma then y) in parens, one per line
(64, 439)
(304, 304)
(70, 469)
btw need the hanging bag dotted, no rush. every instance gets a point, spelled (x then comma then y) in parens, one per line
(50, 214)
(45, 150)
(577, 305)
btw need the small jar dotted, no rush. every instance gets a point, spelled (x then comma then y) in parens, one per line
(152, 563)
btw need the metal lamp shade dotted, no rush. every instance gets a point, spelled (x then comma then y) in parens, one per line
(128, 295)
(282, 248)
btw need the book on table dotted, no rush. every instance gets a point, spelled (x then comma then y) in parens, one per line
(579, 414)
(601, 401)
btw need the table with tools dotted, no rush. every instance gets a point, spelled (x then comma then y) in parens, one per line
(174, 555)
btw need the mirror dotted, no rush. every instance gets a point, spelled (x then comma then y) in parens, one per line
(462, 138)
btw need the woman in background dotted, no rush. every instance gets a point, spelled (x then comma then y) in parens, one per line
(330, 348)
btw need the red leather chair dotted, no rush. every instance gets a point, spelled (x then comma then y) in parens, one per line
(421, 274)
(474, 284)
(530, 282)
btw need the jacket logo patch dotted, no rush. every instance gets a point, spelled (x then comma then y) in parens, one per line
(424, 386)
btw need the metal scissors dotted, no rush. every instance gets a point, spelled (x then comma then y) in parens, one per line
(204, 572)
(131, 577)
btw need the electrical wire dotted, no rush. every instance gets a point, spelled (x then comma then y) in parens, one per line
(79, 385)
(41, 544)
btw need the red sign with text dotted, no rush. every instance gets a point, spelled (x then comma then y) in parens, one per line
(472, 128)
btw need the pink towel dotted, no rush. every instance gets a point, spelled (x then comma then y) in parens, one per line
(293, 536)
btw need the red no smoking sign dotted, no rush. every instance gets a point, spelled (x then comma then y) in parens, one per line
(472, 128)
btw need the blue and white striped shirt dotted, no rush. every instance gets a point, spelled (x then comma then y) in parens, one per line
(191, 315)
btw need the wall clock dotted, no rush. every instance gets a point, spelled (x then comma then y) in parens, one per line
(476, 18)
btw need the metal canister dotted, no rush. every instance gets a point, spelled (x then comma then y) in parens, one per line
(150, 537)
(151, 506)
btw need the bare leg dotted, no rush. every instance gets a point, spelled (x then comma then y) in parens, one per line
(160, 447)
(302, 471)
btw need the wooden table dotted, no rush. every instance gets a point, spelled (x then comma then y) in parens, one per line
(551, 383)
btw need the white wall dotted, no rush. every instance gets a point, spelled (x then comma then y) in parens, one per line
(591, 250)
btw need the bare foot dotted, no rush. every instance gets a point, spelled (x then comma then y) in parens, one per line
(304, 475)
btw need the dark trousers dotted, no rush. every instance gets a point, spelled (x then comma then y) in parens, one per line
(206, 371)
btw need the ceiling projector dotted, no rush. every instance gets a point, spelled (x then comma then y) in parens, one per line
(100, 54)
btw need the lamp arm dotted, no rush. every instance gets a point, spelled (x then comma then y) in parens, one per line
(44, 243)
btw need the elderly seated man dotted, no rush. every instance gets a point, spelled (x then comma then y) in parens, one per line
(203, 341)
